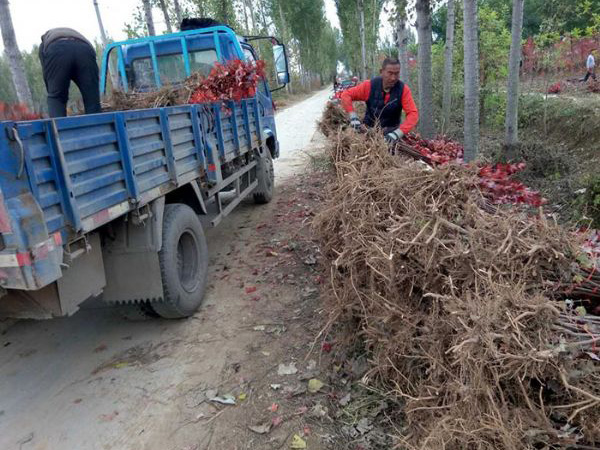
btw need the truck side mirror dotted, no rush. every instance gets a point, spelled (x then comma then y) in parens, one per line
(281, 64)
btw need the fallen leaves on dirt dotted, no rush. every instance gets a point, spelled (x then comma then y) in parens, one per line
(298, 442)
(261, 429)
(287, 369)
(315, 385)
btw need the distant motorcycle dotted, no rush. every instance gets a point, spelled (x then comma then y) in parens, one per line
(338, 89)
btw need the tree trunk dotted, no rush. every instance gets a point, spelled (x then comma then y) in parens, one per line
(148, 17)
(200, 8)
(223, 13)
(165, 11)
(448, 62)
(99, 17)
(512, 132)
(13, 55)
(425, 82)
(245, 13)
(265, 24)
(112, 68)
(285, 36)
(402, 38)
(248, 4)
(363, 48)
(471, 127)
(374, 52)
(177, 11)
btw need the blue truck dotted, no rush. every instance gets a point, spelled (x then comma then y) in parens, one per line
(114, 204)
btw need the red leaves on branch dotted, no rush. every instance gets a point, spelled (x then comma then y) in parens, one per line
(494, 180)
(438, 151)
(591, 245)
(16, 112)
(556, 88)
(233, 80)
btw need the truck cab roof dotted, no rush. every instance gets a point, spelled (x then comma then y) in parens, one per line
(150, 62)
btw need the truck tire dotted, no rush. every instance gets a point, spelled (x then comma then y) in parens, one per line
(183, 263)
(266, 178)
(138, 312)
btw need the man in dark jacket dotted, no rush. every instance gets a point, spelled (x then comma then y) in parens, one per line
(66, 55)
(386, 97)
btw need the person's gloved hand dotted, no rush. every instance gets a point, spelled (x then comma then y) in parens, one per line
(355, 121)
(394, 136)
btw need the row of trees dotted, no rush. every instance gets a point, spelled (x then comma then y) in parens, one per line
(540, 17)
(472, 51)
(359, 23)
(313, 44)
(475, 36)
(472, 56)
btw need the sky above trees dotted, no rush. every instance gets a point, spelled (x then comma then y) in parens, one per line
(81, 16)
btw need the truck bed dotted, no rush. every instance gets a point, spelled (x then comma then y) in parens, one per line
(84, 171)
(63, 178)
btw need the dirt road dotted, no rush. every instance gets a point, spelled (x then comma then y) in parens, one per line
(98, 381)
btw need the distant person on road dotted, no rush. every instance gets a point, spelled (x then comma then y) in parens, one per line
(386, 97)
(66, 55)
(590, 65)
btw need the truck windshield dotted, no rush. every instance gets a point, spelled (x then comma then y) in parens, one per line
(171, 67)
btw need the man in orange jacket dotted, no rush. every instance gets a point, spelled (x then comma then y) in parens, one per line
(386, 97)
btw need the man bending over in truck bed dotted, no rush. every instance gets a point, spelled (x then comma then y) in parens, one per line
(66, 55)
(386, 97)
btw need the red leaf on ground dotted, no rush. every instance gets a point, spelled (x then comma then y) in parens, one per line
(277, 420)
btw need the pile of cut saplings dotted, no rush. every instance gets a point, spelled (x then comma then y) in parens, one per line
(455, 280)
(232, 80)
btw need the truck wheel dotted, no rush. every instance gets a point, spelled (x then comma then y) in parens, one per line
(138, 312)
(266, 178)
(183, 263)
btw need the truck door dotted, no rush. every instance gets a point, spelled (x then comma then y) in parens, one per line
(263, 93)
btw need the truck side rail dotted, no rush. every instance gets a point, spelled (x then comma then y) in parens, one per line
(85, 171)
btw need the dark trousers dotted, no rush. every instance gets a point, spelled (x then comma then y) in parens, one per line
(65, 60)
(589, 73)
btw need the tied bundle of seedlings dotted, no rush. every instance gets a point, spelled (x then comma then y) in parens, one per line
(334, 118)
(17, 112)
(585, 286)
(169, 95)
(233, 80)
(456, 305)
(494, 180)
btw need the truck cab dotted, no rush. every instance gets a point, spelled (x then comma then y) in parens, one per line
(152, 62)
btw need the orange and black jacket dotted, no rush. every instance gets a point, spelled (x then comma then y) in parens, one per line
(384, 108)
